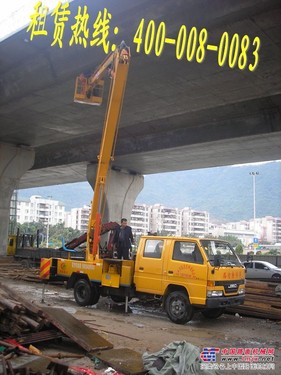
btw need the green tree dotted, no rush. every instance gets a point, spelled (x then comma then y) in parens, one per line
(234, 241)
(30, 228)
(59, 231)
(239, 249)
(56, 233)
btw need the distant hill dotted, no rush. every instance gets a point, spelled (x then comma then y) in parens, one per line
(225, 192)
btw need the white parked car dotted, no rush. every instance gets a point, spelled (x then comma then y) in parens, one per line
(258, 269)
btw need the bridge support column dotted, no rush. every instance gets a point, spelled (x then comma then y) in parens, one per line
(14, 162)
(122, 191)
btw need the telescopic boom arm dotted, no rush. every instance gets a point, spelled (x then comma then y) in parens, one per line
(117, 65)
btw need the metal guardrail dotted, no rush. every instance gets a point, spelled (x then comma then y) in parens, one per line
(273, 259)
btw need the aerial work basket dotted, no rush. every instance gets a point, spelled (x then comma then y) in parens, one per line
(86, 93)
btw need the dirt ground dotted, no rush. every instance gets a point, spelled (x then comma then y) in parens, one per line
(148, 329)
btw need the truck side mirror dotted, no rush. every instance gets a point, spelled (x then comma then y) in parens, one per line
(217, 260)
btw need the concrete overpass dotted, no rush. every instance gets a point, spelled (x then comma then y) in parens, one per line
(177, 114)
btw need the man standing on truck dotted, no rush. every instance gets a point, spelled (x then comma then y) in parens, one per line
(123, 240)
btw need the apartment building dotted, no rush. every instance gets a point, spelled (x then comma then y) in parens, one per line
(144, 218)
(155, 218)
(268, 229)
(164, 220)
(194, 222)
(78, 218)
(38, 209)
(158, 218)
(140, 219)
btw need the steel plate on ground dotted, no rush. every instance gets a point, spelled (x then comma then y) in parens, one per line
(76, 330)
(128, 361)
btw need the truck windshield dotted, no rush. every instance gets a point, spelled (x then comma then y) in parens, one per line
(220, 253)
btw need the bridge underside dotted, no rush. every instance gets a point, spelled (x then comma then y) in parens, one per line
(180, 143)
(177, 115)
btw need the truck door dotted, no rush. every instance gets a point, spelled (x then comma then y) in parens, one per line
(187, 267)
(148, 275)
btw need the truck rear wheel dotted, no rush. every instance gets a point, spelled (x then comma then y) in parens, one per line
(86, 294)
(178, 307)
(213, 313)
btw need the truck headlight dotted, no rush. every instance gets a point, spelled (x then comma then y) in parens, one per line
(241, 291)
(214, 293)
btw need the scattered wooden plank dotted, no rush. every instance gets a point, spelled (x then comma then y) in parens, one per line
(16, 271)
(260, 301)
(246, 311)
(269, 301)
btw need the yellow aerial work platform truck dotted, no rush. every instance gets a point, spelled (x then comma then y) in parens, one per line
(187, 274)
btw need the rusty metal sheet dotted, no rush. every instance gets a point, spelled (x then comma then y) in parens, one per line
(41, 336)
(127, 361)
(76, 330)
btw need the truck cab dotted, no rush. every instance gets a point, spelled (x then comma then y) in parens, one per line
(190, 274)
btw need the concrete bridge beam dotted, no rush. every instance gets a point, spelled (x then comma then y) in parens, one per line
(14, 162)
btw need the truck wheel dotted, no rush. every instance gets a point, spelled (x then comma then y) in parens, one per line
(95, 294)
(213, 313)
(178, 308)
(85, 294)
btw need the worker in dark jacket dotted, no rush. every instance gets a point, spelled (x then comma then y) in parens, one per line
(123, 240)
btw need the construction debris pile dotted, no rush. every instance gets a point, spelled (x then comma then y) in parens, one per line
(261, 300)
(22, 325)
(17, 319)
(25, 328)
